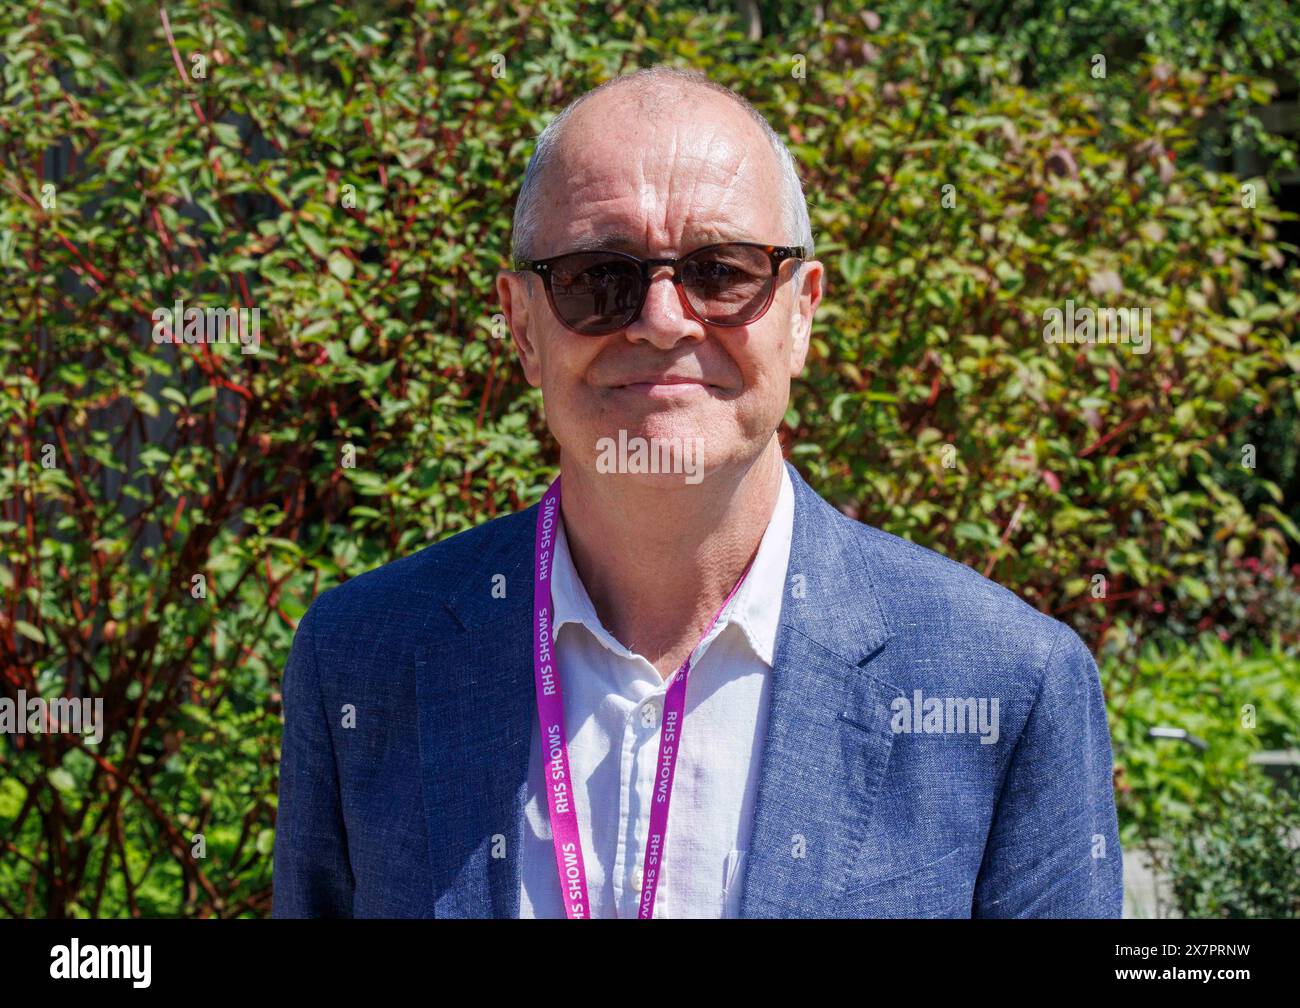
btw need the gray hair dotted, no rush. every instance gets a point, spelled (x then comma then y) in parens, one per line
(529, 207)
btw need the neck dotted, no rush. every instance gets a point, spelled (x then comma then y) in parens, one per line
(658, 562)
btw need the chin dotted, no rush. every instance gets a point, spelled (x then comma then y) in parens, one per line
(656, 454)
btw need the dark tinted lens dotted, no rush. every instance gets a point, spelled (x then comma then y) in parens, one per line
(595, 292)
(728, 284)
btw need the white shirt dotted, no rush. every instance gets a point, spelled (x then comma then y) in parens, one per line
(613, 704)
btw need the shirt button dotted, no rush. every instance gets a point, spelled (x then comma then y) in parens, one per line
(649, 715)
(636, 879)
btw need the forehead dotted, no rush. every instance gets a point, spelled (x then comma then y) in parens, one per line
(660, 176)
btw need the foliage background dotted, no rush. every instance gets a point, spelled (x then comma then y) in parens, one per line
(380, 336)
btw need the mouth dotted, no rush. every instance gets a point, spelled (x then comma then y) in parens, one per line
(667, 388)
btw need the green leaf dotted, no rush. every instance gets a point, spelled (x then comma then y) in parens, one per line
(12, 795)
(340, 265)
(314, 241)
(1195, 589)
(29, 631)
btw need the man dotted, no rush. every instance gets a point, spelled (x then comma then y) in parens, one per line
(683, 684)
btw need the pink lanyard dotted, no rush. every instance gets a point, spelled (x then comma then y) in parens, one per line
(555, 745)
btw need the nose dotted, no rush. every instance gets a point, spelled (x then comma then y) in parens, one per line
(664, 319)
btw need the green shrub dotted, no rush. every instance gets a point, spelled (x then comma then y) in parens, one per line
(1242, 856)
(1236, 701)
(1244, 600)
(1088, 479)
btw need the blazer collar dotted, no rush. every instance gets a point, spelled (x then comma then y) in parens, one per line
(474, 691)
(836, 603)
(828, 736)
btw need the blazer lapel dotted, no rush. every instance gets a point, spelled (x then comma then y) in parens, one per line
(828, 736)
(476, 705)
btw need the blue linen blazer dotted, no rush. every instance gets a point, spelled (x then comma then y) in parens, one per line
(409, 704)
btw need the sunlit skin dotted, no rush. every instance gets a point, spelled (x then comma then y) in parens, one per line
(657, 554)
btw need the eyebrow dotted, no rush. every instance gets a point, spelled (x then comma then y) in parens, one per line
(607, 241)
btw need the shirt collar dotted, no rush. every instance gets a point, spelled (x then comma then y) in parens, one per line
(756, 608)
(569, 597)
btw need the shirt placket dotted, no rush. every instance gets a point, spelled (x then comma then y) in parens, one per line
(639, 756)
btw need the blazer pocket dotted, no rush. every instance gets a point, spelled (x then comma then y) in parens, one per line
(857, 888)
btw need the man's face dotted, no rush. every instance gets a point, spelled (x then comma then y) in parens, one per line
(693, 172)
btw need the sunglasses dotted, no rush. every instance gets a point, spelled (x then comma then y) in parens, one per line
(595, 293)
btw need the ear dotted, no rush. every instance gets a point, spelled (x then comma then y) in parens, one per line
(807, 296)
(515, 296)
